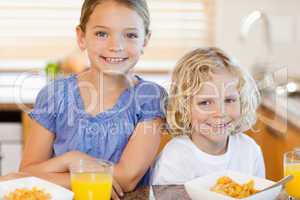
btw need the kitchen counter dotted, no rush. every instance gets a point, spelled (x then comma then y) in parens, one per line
(18, 91)
(15, 107)
(169, 192)
(284, 107)
(157, 192)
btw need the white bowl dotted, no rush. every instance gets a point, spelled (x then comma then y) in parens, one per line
(199, 188)
(57, 192)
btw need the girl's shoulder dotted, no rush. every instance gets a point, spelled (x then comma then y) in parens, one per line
(147, 100)
(146, 87)
(55, 91)
(60, 84)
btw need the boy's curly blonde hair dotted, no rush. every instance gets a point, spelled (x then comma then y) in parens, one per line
(190, 72)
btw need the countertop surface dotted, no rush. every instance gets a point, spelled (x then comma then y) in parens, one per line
(169, 192)
(287, 108)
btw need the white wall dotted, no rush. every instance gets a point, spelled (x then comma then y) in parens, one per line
(285, 32)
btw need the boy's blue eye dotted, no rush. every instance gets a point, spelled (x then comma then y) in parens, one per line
(132, 35)
(101, 34)
(204, 103)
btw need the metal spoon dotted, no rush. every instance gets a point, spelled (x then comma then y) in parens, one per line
(280, 182)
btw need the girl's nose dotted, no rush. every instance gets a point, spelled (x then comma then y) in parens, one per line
(116, 44)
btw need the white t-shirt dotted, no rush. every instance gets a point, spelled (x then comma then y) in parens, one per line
(181, 160)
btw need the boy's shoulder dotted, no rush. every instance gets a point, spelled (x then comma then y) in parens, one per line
(244, 138)
(245, 141)
(182, 139)
(177, 144)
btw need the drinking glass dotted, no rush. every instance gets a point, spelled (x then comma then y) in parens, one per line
(292, 167)
(91, 179)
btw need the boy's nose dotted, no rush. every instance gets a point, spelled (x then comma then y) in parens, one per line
(220, 109)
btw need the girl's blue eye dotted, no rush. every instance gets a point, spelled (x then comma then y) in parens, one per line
(132, 35)
(101, 34)
(230, 100)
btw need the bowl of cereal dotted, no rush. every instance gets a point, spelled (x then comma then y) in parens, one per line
(230, 185)
(33, 188)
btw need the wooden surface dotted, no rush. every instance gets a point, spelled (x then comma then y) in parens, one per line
(165, 192)
(170, 192)
(15, 107)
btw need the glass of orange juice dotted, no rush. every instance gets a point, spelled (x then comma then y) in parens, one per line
(292, 167)
(91, 179)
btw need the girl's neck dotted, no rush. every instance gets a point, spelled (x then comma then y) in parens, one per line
(108, 82)
(208, 146)
(101, 90)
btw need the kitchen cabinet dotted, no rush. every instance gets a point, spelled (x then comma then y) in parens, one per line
(275, 143)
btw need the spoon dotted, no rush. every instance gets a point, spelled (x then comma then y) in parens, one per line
(280, 182)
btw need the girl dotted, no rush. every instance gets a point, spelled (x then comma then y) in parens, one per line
(211, 102)
(104, 112)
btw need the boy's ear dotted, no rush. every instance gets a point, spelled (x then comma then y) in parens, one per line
(147, 38)
(80, 38)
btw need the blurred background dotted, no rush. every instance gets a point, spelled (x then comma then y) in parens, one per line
(37, 43)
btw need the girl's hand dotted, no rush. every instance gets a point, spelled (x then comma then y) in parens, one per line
(11, 176)
(74, 156)
(116, 192)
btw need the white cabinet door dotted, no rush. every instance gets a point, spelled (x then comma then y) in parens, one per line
(10, 146)
(11, 156)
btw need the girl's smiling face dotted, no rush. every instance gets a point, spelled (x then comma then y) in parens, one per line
(216, 107)
(114, 37)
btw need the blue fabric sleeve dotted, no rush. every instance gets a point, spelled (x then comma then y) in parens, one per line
(45, 108)
(150, 101)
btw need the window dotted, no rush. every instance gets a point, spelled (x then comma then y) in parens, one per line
(45, 30)
(178, 26)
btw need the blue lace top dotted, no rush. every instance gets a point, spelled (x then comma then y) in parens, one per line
(59, 108)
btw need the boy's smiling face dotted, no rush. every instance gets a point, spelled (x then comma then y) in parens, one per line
(114, 37)
(216, 107)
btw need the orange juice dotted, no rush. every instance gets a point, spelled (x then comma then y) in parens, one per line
(91, 186)
(293, 187)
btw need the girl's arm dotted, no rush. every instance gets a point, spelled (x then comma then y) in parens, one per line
(139, 154)
(38, 151)
(36, 157)
(57, 178)
(135, 160)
